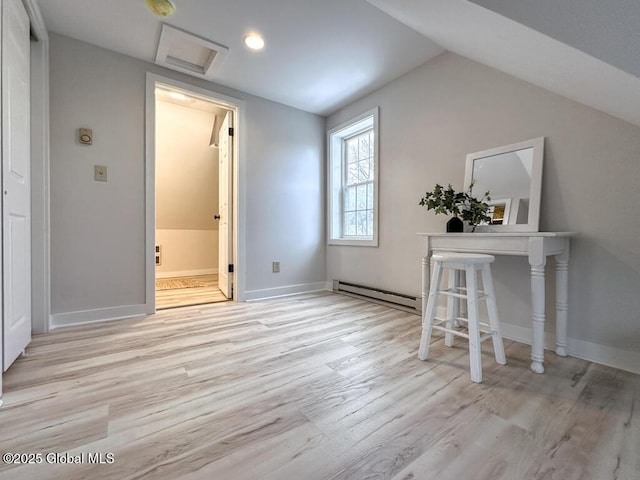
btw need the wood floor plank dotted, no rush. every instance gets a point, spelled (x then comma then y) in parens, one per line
(315, 386)
(206, 292)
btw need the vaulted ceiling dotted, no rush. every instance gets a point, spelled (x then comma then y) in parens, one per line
(321, 55)
(555, 45)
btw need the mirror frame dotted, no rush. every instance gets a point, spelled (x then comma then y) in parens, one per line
(535, 191)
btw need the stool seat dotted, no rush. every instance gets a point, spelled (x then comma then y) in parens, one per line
(470, 258)
(470, 264)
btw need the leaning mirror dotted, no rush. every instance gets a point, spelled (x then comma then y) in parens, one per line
(513, 176)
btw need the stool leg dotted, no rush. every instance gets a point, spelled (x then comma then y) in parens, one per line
(494, 321)
(430, 313)
(453, 307)
(457, 275)
(475, 352)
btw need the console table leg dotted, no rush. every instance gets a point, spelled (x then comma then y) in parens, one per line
(426, 271)
(562, 301)
(537, 317)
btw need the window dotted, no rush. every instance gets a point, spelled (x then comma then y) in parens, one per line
(353, 181)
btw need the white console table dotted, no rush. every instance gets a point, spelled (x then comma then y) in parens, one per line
(537, 247)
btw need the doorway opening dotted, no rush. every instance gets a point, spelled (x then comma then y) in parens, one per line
(194, 228)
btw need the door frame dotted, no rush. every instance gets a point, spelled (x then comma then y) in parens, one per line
(238, 180)
(40, 230)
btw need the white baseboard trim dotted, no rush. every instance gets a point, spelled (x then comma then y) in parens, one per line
(592, 352)
(251, 295)
(609, 356)
(187, 273)
(58, 320)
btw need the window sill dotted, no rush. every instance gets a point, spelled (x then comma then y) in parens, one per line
(355, 242)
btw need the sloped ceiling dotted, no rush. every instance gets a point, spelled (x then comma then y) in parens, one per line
(605, 29)
(319, 55)
(584, 72)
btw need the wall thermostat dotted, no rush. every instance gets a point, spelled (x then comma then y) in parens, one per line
(85, 135)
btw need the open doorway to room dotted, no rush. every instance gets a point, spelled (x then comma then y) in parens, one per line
(193, 159)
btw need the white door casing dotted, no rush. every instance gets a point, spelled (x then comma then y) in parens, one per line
(225, 242)
(237, 174)
(16, 188)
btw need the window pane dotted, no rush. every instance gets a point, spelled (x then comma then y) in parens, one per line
(350, 198)
(362, 223)
(369, 222)
(364, 170)
(349, 223)
(364, 146)
(352, 150)
(370, 197)
(361, 199)
(352, 173)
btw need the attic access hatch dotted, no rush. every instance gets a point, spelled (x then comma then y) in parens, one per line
(188, 53)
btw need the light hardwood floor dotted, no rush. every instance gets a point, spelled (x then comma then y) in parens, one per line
(310, 387)
(181, 297)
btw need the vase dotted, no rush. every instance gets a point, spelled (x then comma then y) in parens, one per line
(455, 225)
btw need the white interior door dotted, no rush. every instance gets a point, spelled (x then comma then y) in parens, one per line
(16, 191)
(225, 149)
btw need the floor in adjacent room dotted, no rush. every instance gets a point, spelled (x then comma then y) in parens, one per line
(187, 291)
(316, 386)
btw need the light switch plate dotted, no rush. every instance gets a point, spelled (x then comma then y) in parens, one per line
(100, 173)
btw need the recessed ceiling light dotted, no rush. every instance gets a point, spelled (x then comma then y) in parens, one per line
(254, 41)
(161, 8)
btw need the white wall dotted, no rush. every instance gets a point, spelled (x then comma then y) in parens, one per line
(97, 234)
(187, 252)
(285, 200)
(433, 116)
(97, 229)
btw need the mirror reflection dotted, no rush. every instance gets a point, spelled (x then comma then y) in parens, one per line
(513, 176)
(507, 176)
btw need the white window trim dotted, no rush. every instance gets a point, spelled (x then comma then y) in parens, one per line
(335, 182)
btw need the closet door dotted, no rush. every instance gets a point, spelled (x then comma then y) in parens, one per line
(16, 190)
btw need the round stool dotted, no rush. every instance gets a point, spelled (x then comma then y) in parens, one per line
(470, 264)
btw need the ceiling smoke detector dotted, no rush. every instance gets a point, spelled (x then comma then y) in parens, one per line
(161, 8)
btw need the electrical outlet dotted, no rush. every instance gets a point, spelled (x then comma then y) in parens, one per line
(158, 255)
(275, 267)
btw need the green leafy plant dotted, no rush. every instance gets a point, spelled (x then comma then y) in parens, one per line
(464, 204)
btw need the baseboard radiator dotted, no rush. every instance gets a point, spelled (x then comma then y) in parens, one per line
(377, 295)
